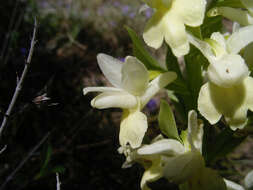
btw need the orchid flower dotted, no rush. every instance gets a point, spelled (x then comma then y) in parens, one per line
(169, 20)
(177, 162)
(243, 17)
(131, 91)
(229, 91)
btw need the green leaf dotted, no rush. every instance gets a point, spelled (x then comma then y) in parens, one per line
(44, 167)
(167, 122)
(141, 53)
(193, 66)
(210, 26)
(225, 143)
(58, 169)
(230, 3)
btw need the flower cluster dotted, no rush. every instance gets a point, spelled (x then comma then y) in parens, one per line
(227, 90)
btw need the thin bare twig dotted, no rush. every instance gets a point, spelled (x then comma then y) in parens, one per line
(58, 183)
(3, 149)
(21, 81)
(10, 177)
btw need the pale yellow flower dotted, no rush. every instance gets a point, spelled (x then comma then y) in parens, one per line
(169, 20)
(177, 162)
(131, 91)
(229, 90)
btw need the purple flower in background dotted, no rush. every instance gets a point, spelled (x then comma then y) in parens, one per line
(152, 105)
(112, 23)
(132, 15)
(116, 4)
(125, 9)
(100, 11)
(148, 13)
(122, 59)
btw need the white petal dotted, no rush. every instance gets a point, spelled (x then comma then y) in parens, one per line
(157, 84)
(228, 70)
(248, 181)
(203, 46)
(218, 37)
(195, 131)
(122, 100)
(240, 39)
(205, 105)
(111, 68)
(134, 76)
(237, 15)
(248, 82)
(100, 89)
(164, 146)
(232, 185)
(175, 35)
(192, 12)
(132, 129)
(153, 33)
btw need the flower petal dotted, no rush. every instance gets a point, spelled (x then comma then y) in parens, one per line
(165, 146)
(240, 39)
(111, 68)
(248, 82)
(121, 99)
(239, 118)
(218, 37)
(133, 128)
(192, 12)
(203, 46)
(100, 89)
(135, 76)
(157, 84)
(151, 174)
(232, 185)
(237, 15)
(153, 33)
(180, 168)
(228, 70)
(195, 131)
(206, 106)
(175, 35)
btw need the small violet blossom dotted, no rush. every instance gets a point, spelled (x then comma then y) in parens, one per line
(180, 162)
(229, 91)
(243, 17)
(131, 92)
(169, 20)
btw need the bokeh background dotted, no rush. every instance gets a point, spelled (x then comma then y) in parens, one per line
(82, 144)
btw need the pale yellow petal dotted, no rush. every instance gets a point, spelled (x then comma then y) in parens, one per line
(122, 100)
(135, 76)
(156, 85)
(100, 89)
(192, 12)
(175, 35)
(195, 131)
(132, 129)
(249, 90)
(111, 68)
(205, 105)
(228, 70)
(151, 174)
(168, 147)
(232, 185)
(153, 32)
(240, 39)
